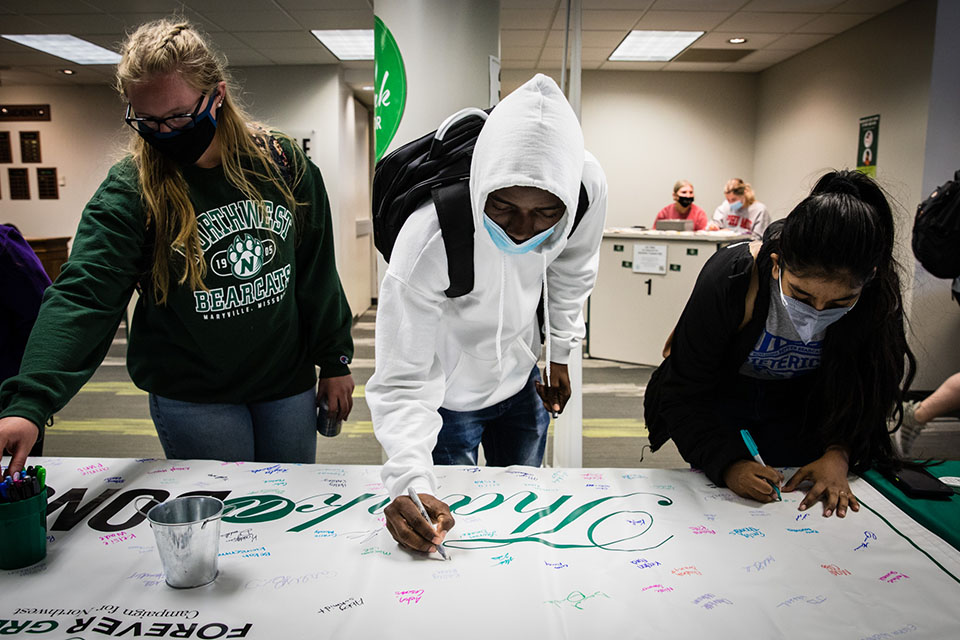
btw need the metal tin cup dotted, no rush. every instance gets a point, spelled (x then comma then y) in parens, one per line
(187, 530)
(23, 532)
(326, 426)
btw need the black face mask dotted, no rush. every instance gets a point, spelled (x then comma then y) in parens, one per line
(186, 145)
(684, 201)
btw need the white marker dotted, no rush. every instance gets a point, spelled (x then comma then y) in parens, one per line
(416, 500)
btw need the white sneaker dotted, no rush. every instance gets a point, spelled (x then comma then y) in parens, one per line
(906, 435)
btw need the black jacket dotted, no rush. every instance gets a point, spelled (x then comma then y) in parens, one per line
(682, 398)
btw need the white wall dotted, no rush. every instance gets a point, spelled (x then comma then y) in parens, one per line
(313, 102)
(807, 123)
(83, 138)
(810, 106)
(650, 129)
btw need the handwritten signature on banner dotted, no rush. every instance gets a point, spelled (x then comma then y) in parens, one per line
(576, 599)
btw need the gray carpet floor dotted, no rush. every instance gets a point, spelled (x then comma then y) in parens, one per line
(110, 417)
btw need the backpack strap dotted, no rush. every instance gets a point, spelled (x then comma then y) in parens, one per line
(582, 204)
(456, 225)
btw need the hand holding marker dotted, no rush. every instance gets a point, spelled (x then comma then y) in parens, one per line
(416, 500)
(752, 448)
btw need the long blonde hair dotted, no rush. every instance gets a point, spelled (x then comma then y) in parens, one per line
(175, 46)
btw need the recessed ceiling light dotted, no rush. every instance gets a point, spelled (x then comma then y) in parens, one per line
(67, 47)
(654, 46)
(367, 87)
(347, 44)
(737, 40)
(67, 72)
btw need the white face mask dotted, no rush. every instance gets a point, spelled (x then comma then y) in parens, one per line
(806, 320)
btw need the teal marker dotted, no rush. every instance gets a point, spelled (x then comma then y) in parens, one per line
(752, 448)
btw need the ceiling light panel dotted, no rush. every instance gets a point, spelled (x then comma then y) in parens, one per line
(67, 47)
(653, 46)
(347, 44)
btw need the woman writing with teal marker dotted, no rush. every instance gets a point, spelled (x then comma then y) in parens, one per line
(798, 338)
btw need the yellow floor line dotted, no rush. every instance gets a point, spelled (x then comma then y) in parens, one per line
(592, 427)
(129, 389)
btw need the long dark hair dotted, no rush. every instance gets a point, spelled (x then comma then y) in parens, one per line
(845, 229)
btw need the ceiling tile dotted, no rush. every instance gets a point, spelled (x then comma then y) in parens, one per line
(591, 54)
(867, 6)
(520, 53)
(133, 6)
(325, 5)
(78, 24)
(521, 38)
(245, 57)
(697, 5)
(530, 4)
(696, 66)
(298, 55)
(624, 5)
(334, 19)
(589, 38)
(272, 20)
(682, 20)
(526, 18)
(765, 22)
(243, 6)
(518, 64)
(279, 39)
(771, 56)
(833, 23)
(718, 40)
(15, 25)
(603, 20)
(131, 21)
(48, 6)
(110, 41)
(798, 41)
(804, 6)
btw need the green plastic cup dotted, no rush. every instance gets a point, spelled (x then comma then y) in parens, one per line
(23, 532)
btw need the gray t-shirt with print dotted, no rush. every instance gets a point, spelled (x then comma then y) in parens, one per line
(779, 352)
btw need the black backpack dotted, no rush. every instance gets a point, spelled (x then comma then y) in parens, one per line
(936, 230)
(436, 166)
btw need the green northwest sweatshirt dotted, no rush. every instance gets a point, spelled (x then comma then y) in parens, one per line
(275, 306)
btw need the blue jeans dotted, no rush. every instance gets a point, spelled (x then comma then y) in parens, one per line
(282, 430)
(513, 431)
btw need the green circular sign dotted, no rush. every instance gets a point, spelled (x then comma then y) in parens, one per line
(390, 92)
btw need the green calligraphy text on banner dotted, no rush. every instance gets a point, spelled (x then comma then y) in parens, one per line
(867, 145)
(391, 87)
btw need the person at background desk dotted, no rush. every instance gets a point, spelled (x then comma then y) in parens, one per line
(740, 210)
(798, 338)
(683, 207)
(226, 227)
(22, 283)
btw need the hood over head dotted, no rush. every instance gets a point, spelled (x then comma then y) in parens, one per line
(531, 139)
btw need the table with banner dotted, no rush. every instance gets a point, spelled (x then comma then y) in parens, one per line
(554, 553)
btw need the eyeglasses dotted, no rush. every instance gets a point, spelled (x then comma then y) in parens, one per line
(178, 122)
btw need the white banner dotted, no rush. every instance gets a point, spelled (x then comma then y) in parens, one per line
(536, 553)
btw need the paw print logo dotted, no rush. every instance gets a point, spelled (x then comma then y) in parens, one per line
(245, 256)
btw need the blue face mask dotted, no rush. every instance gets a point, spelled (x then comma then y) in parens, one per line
(506, 244)
(736, 205)
(806, 320)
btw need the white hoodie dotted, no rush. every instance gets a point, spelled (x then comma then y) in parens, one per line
(471, 352)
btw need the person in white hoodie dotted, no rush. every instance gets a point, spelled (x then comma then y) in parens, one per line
(454, 372)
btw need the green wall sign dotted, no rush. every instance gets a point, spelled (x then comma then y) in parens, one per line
(391, 89)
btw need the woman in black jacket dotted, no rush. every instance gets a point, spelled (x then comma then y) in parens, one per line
(799, 339)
